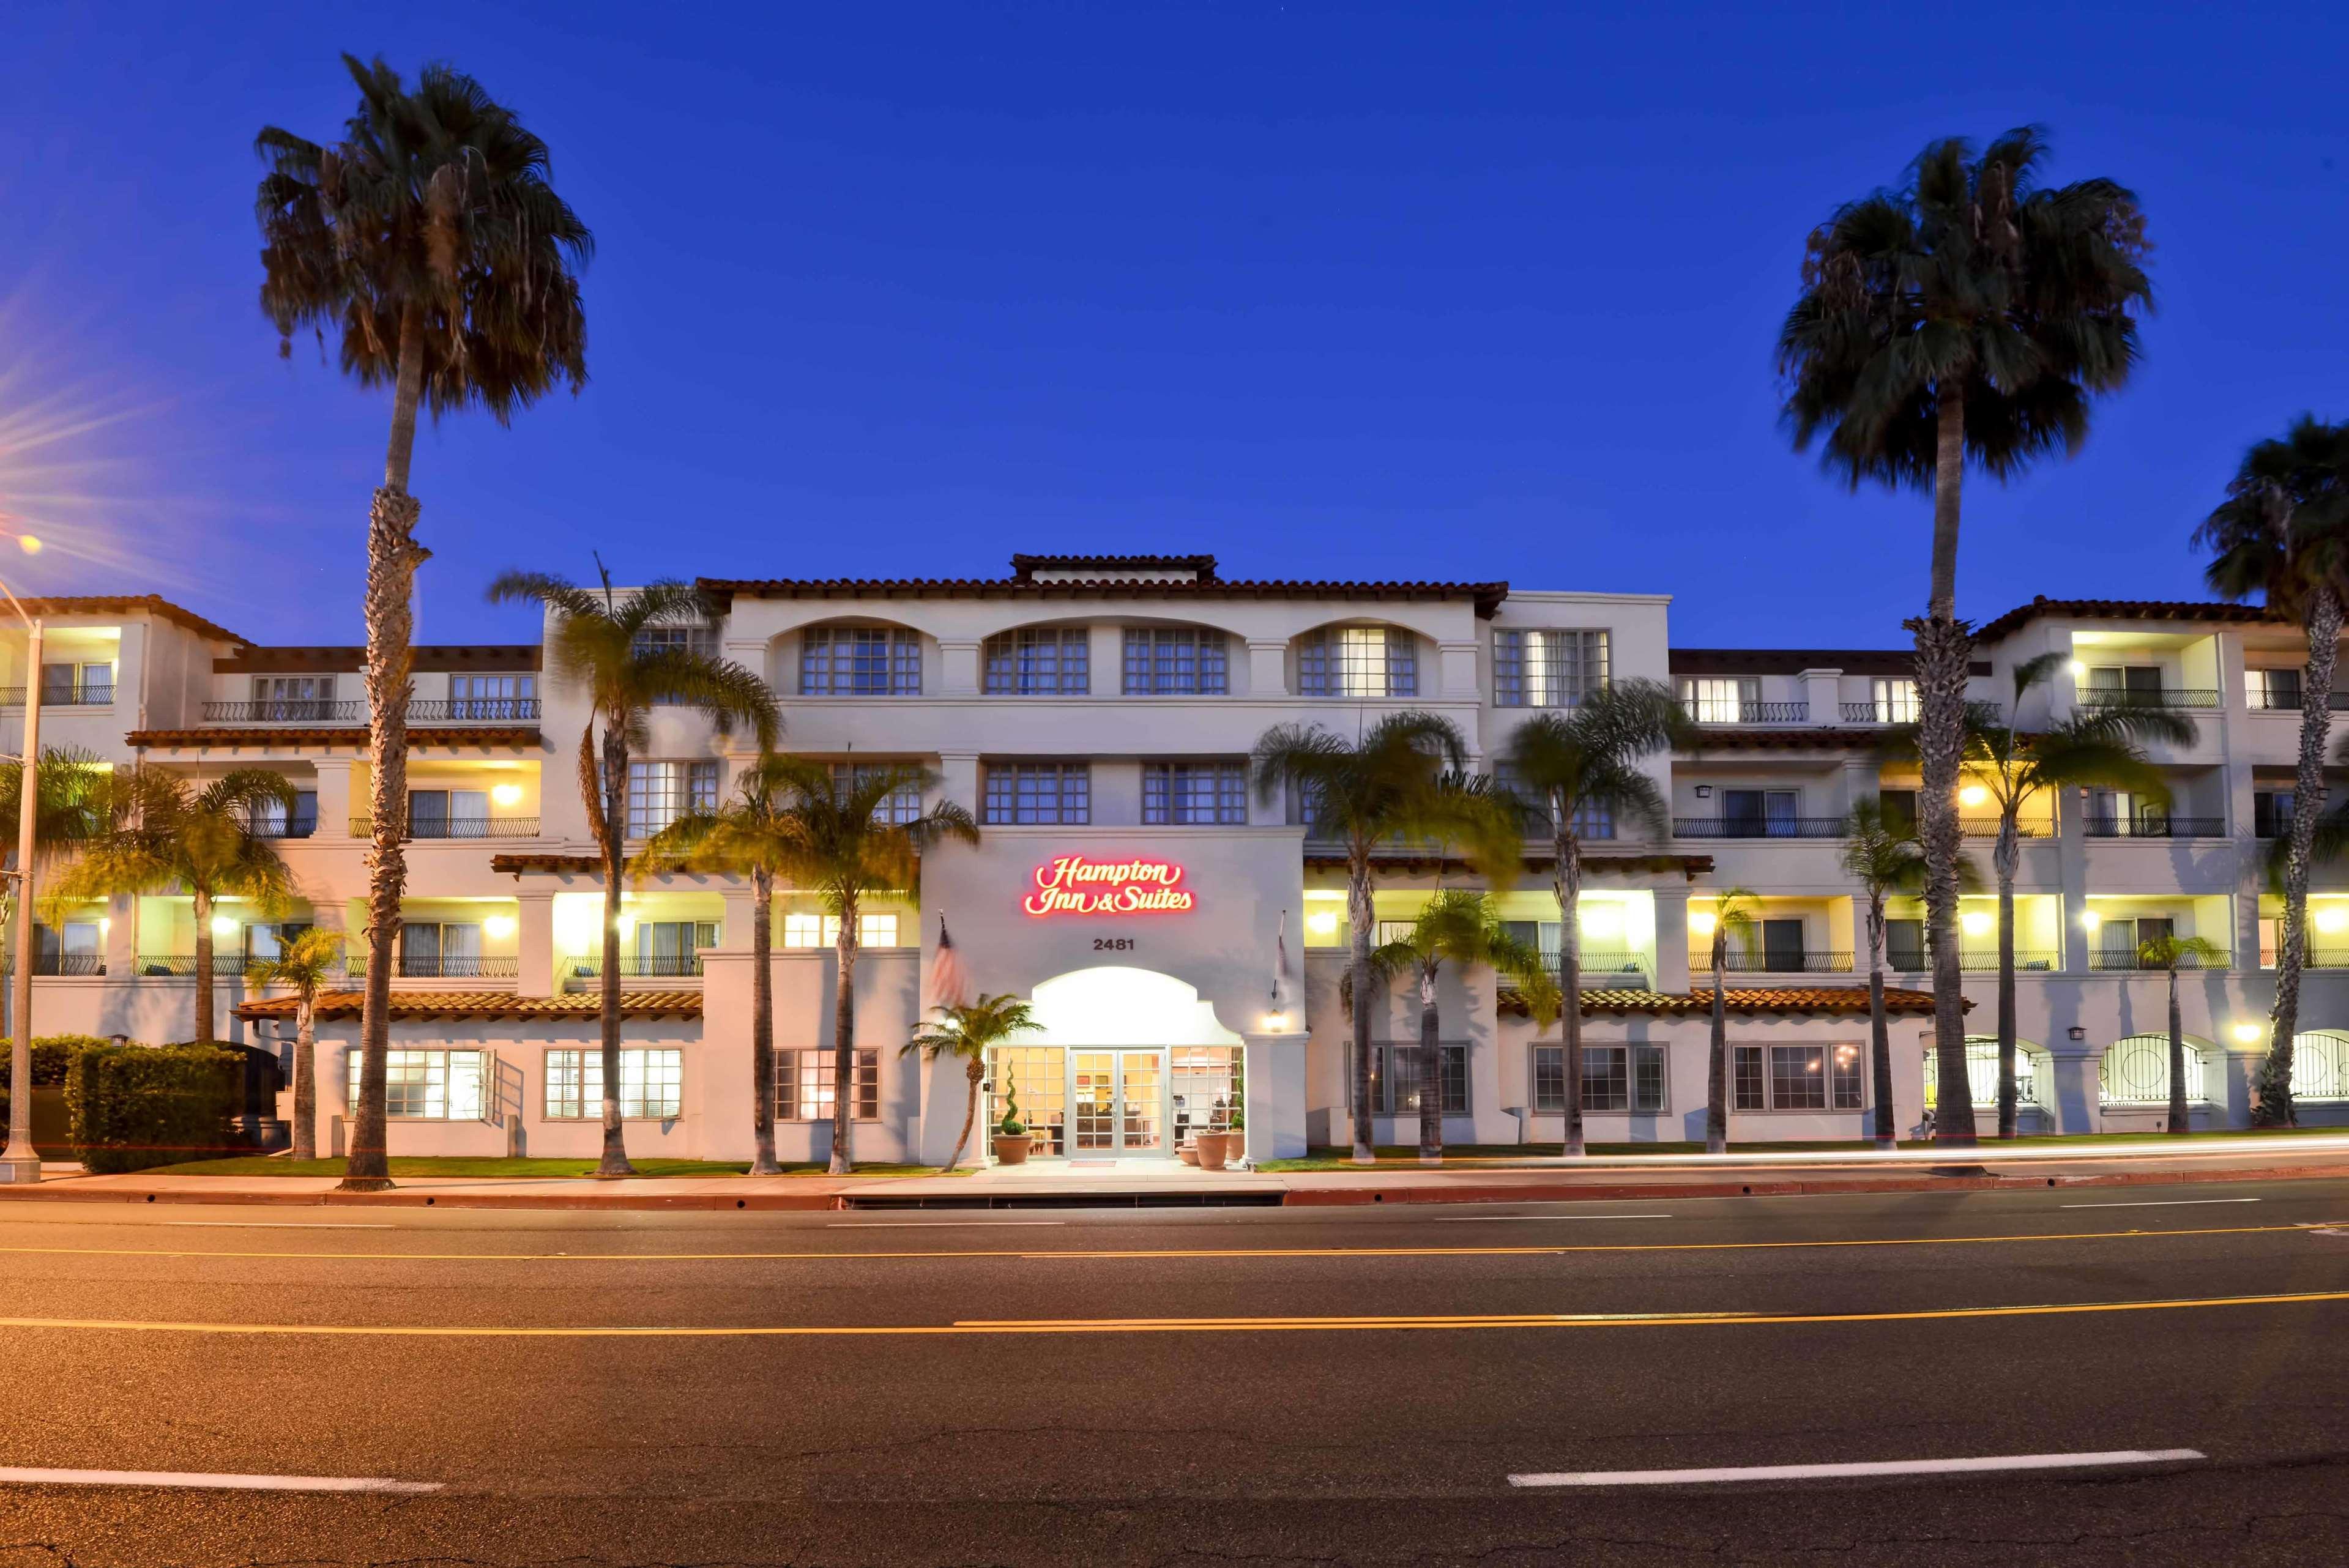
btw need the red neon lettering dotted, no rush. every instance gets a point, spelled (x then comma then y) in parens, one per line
(1072, 884)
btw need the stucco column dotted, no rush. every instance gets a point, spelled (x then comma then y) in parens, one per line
(958, 668)
(1671, 938)
(1457, 662)
(958, 773)
(2071, 877)
(1267, 667)
(535, 944)
(2075, 1096)
(334, 775)
(2239, 1064)
(121, 945)
(1276, 1095)
(1822, 693)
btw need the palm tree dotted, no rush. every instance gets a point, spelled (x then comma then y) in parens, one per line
(1573, 769)
(430, 242)
(1733, 914)
(744, 837)
(604, 642)
(2167, 952)
(966, 1033)
(1464, 927)
(2284, 530)
(839, 843)
(1881, 853)
(303, 966)
(2097, 748)
(1972, 314)
(1400, 776)
(70, 788)
(162, 833)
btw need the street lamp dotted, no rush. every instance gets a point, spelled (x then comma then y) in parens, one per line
(21, 1161)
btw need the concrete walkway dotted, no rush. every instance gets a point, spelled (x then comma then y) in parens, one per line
(1150, 1183)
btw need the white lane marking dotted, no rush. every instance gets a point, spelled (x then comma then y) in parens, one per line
(2161, 1203)
(926, 1224)
(1495, 1219)
(11, 1475)
(1885, 1466)
(278, 1225)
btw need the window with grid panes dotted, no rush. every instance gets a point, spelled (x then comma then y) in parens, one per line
(1356, 661)
(652, 1085)
(1591, 820)
(824, 929)
(1614, 1077)
(1548, 668)
(1394, 1078)
(859, 661)
(1177, 661)
(661, 792)
(900, 805)
(1047, 792)
(1038, 661)
(1720, 699)
(429, 1086)
(1797, 1077)
(1194, 793)
(1895, 701)
(804, 1080)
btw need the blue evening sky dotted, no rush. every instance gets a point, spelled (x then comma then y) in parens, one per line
(1447, 290)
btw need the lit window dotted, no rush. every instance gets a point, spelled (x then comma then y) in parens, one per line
(652, 1085)
(493, 697)
(1895, 701)
(429, 1086)
(805, 1081)
(1614, 1079)
(1194, 793)
(859, 661)
(1175, 661)
(1040, 793)
(661, 792)
(1039, 661)
(824, 929)
(1356, 661)
(1721, 700)
(1546, 669)
(1394, 1079)
(1796, 1077)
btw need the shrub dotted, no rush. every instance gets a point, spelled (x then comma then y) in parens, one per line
(131, 1107)
(53, 1055)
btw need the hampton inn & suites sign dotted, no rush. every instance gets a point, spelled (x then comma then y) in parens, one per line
(1078, 884)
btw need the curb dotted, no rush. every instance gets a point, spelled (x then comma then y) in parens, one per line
(1341, 1197)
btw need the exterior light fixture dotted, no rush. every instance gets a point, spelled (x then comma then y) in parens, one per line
(2248, 1034)
(1972, 795)
(2078, 669)
(105, 924)
(2330, 919)
(1322, 923)
(223, 926)
(29, 543)
(1974, 921)
(1701, 923)
(506, 794)
(1602, 920)
(499, 925)
(626, 923)
(2091, 919)
(1276, 1021)
(2075, 1033)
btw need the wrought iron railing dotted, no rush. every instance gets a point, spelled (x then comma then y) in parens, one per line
(2315, 958)
(1723, 711)
(352, 710)
(82, 694)
(1974, 961)
(2115, 961)
(1757, 827)
(54, 964)
(1807, 962)
(1987, 828)
(1879, 712)
(456, 828)
(641, 966)
(182, 966)
(1599, 966)
(286, 827)
(454, 966)
(2278, 701)
(2167, 696)
(473, 710)
(2157, 827)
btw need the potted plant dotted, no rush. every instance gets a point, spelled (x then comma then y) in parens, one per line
(1211, 1150)
(1236, 1133)
(1012, 1144)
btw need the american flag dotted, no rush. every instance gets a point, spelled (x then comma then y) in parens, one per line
(949, 985)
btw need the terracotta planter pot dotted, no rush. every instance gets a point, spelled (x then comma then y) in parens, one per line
(1188, 1154)
(1013, 1150)
(1211, 1152)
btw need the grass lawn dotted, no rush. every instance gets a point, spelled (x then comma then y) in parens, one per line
(453, 1165)
(1328, 1158)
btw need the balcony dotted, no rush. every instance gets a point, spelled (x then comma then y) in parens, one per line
(1987, 828)
(1757, 827)
(451, 966)
(48, 965)
(1807, 962)
(2117, 962)
(321, 710)
(2288, 702)
(1975, 961)
(2317, 958)
(455, 828)
(1618, 968)
(90, 694)
(664, 968)
(1906, 712)
(286, 827)
(2165, 697)
(1724, 712)
(182, 966)
(2157, 827)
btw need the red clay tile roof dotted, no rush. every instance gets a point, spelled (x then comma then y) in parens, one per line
(1832, 1001)
(232, 737)
(2122, 609)
(126, 603)
(407, 1006)
(1536, 858)
(723, 590)
(1023, 566)
(431, 656)
(518, 864)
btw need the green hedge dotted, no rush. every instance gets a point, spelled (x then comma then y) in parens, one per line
(53, 1055)
(135, 1106)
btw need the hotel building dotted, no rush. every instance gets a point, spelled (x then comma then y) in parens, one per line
(1098, 712)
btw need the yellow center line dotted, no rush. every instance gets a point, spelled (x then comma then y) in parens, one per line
(1152, 1325)
(1024, 1255)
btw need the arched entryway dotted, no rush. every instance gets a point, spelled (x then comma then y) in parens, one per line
(1123, 1063)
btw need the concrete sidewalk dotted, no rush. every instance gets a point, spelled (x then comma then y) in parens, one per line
(1156, 1183)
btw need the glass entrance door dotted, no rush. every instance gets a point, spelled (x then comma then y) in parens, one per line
(1117, 1102)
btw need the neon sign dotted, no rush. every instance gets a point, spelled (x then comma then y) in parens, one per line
(1071, 884)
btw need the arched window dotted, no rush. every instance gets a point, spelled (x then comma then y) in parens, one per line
(1038, 661)
(859, 661)
(2137, 1071)
(1982, 1071)
(1358, 661)
(2320, 1064)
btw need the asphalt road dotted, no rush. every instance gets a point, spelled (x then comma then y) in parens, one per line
(1186, 1387)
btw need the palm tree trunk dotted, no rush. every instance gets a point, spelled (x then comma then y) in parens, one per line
(1431, 1073)
(2272, 1094)
(306, 1076)
(393, 556)
(2003, 858)
(763, 1022)
(1359, 914)
(1568, 879)
(615, 1161)
(843, 1040)
(977, 1068)
(204, 912)
(2177, 1059)
(1716, 1082)
(1879, 1035)
(1943, 646)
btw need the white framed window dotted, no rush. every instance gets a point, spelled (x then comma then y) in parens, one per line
(900, 805)
(1894, 700)
(429, 1085)
(1194, 793)
(1046, 792)
(1394, 1078)
(805, 1081)
(1185, 661)
(661, 792)
(1614, 1079)
(1720, 699)
(1548, 668)
(2272, 690)
(2320, 1064)
(859, 661)
(813, 930)
(652, 1084)
(292, 699)
(444, 950)
(1038, 661)
(72, 682)
(1356, 661)
(1797, 1077)
(493, 697)
(1592, 819)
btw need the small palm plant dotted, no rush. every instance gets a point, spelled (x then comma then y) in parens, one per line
(1462, 927)
(613, 647)
(164, 834)
(303, 966)
(2168, 953)
(1733, 916)
(966, 1033)
(70, 788)
(1881, 853)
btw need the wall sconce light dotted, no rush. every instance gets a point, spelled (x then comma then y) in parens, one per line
(2078, 669)
(2091, 919)
(2076, 1033)
(506, 794)
(2329, 918)
(2248, 1034)
(1974, 921)
(1322, 923)
(1704, 792)
(1972, 795)
(1702, 922)
(499, 925)
(223, 926)
(1276, 1021)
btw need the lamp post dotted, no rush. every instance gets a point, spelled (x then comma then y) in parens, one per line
(21, 1161)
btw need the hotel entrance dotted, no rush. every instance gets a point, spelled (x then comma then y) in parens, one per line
(1114, 1103)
